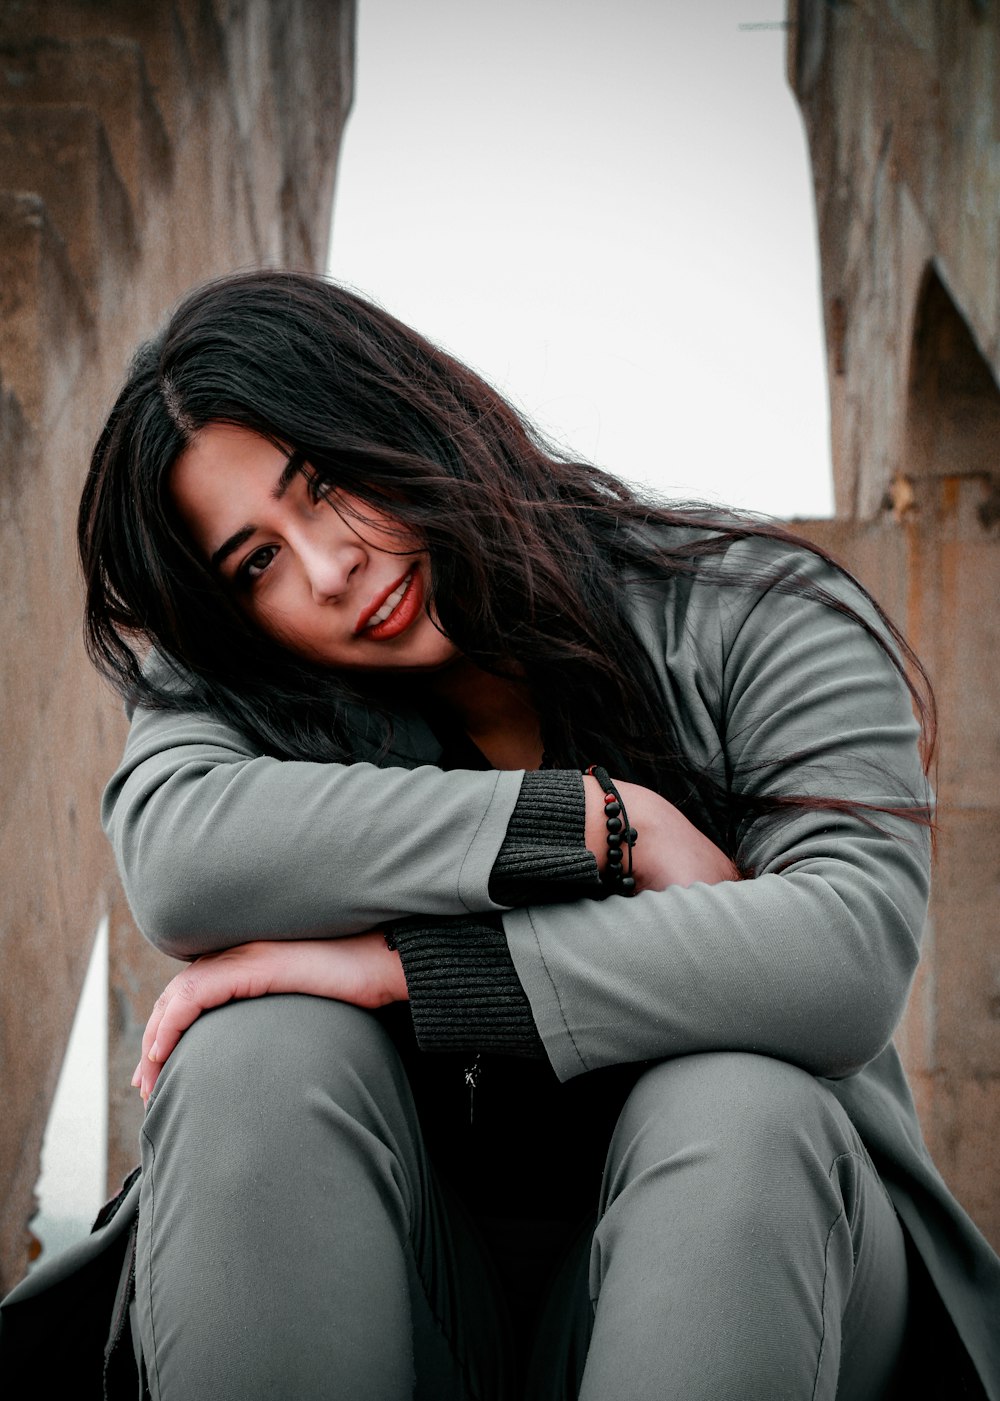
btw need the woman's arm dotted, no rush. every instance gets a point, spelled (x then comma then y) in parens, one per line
(366, 969)
(217, 845)
(811, 960)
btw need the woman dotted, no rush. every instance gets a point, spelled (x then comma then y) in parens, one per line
(613, 1146)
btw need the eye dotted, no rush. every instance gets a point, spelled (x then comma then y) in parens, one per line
(317, 488)
(255, 564)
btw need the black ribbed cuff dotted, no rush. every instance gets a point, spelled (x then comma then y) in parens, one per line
(464, 992)
(544, 857)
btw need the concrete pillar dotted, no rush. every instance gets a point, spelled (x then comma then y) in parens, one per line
(143, 148)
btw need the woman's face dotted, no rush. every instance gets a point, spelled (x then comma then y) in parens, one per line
(344, 593)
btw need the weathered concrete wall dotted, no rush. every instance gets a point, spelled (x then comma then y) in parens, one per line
(143, 147)
(901, 100)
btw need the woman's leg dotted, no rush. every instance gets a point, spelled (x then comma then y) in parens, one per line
(745, 1246)
(292, 1240)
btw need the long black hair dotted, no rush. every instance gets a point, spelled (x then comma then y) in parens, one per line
(527, 547)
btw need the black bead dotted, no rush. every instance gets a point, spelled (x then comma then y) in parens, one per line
(614, 840)
(615, 856)
(614, 824)
(628, 885)
(612, 809)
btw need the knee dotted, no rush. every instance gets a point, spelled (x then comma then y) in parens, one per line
(272, 1052)
(732, 1088)
(752, 1125)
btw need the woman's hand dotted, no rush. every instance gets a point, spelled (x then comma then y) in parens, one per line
(358, 969)
(670, 850)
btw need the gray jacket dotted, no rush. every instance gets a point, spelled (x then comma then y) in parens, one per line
(811, 961)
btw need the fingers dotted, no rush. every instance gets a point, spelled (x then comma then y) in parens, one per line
(191, 993)
(148, 1069)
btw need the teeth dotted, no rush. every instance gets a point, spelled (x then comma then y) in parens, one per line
(389, 604)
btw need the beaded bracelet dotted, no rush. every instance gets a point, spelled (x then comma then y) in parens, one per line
(617, 876)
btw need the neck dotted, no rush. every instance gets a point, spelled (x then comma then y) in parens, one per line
(496, 712)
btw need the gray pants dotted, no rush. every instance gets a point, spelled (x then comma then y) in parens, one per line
(295, 1243)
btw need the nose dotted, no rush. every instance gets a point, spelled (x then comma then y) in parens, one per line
(329, 564)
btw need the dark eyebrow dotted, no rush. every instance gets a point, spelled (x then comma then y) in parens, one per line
(289, 472)
(233, 543)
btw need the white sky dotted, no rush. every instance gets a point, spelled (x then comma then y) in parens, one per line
(72, 1184)
(605, 208)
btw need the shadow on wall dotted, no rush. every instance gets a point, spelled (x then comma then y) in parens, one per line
(953, 411)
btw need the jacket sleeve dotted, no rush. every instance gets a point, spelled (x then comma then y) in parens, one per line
(811, 960)
(218, 845)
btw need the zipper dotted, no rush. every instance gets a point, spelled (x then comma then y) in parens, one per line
(472, 1080)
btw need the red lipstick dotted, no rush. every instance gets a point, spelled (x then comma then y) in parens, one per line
(403, 613)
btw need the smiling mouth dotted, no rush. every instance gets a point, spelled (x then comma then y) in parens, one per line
(396, 611)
